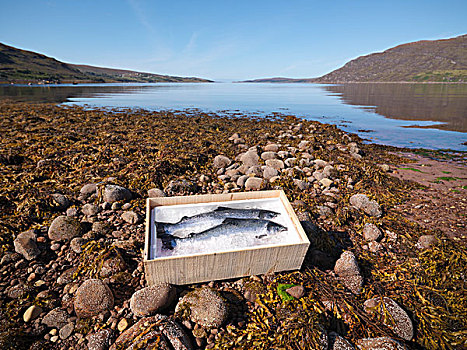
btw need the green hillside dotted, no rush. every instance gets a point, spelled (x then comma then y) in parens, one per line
(21, 66)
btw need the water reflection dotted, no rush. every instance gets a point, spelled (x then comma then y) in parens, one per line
(445, 103)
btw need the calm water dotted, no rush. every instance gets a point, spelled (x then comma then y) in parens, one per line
(409, 115)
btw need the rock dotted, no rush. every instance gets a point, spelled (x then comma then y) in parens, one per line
(320, 163)
(324, 211)
(336, 342)
(384, 167)
(426, 241)
(64, 228)
(253, 183)
(25, 244)
(76, 244)
(180, 187)
(156, 192)
(381, 343)
(130, 217)
(31, 313)
(362, 202)
(92, 297)
(116, 206)
(290, 162)
(146, 333)
(398, 319)
(250, 158)
(371, 232)
(100, 340)
(302, 185)
(241, 180)
(88, 190)
(61, 201)
(102, 227)
(329, 171)
(66, 330)
(112, 266)
(272, 147)
(347, 269)
(66, 276)
(72, 212)
(269, 172)
(115, 193)
(234, 136)
(90, 209)
(255, 170)
(275, 163)
(326, 182)
(296, 291)
(303, 145)
(56, 318)
(152, 299)
(268, 155)
(221, 161)
(122, 325)
(204, 306)
(374, 246)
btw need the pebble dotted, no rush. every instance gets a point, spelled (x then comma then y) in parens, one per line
(64, 228)
(381, 343)
(62, 202)
(275, 163)
(347, 269)
(90, 209)
(152, 299)
(88, 190)
(122, 325)
(72, 212)
(269, 172)
(426, 241)
(326, 182)
(156, 192)
(25, 244)
(100, 340)
(221, 161)
(115, 193)
(56, 318)
(272, 147)
(250, 158)
(362, 202)
(253, 183)
(76, 244)
(371, 232)
(66, 330)
(31, 313)
(296, 291)
(92, 297)
(131, 217)
(268, 155)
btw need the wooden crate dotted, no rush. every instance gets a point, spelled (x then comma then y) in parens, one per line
(196, 268)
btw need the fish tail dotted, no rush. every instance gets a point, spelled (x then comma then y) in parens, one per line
(168, 241)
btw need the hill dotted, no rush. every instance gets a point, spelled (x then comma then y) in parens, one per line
(421, 61)
(21, 66)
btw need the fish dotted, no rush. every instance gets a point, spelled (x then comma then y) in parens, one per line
(189, 225)
(252, 229)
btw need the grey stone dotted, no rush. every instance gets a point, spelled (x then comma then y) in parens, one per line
(221, 161)
(92, 297)
(398, 321)
(320, 163)
(253, 183)
(326, 182)
(426, 241)
(156, 192)
(324, 210)
(241, 180)
(76, 244)
(152, 299)
(88, 190)
(272, 147)
(362, 202)
(371, 232)
(268, 155)
(130, 217)
(301, 184)
(347, 269)
(275, 163)
(290, 162)
(296, 291)
(329, 171)
(56, 318)
(62, 202)
(100, 340)
(64, 228)
(204, 306)
(250, 158)
(381, 343)
(318, 175)
(269, 172)
(303, 145)
(255, 170)
(25, 244)
(115, 193)
(66, 330)
(90, 209)
(72, 212)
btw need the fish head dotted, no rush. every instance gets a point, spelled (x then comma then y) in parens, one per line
(274, 227)
(267, 214)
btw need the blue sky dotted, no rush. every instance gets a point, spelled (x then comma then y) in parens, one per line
(224, 39)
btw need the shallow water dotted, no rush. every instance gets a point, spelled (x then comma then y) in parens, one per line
(406, 115)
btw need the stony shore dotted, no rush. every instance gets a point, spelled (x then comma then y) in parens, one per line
(385, 269)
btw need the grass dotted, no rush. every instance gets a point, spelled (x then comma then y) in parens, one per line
(413, 169)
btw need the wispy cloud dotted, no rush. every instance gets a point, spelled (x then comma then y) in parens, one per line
(141, 15)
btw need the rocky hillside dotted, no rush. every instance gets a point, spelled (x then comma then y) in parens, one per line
(21, 66)
(421, 61)
(436, 60)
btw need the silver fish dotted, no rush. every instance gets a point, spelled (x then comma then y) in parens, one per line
(189, 225)
(253, 229)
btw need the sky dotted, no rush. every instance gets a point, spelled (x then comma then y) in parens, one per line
(224, 39)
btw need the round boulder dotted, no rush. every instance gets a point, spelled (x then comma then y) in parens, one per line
(114, 193)
(253, 183)
(204, 306)
(156, 192)
(64, 228)
(152, 299)
(221, 161)
(93, 297)
(371, 232)
(362, 202)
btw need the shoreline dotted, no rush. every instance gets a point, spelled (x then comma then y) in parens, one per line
(50, 154)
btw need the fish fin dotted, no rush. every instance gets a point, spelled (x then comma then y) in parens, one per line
(230, 220)
(261, 236)
(168, 241)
